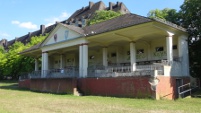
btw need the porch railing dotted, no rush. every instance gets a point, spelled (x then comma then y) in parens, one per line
(100, 71)
(24, 76)
(114, 71)
(56, 73)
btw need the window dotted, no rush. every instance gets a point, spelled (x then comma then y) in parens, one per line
(83, 22)
(174, 46)
(128, 52)
(92, 57)
(57, 61)
(66, 34)
(68, 60)
(140, 51)
(159, 49)
(113, 55)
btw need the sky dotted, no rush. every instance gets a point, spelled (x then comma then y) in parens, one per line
(18, 17)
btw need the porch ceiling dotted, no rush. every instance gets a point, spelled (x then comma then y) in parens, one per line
(146, 32)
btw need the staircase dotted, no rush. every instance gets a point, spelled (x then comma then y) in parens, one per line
(187, 90)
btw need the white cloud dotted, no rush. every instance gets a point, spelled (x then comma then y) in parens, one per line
(15, 22)
(27, 25)
(52, 20)
(4, 35)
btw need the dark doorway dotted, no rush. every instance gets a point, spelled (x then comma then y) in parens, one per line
(179, 82)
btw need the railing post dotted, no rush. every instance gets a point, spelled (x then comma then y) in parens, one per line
(179, 92)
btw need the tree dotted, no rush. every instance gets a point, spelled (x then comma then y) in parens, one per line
(2, 60)
(11, 62)
(190, 13)
(166, 14)
(103, 15)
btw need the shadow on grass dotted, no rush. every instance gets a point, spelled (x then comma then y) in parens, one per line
(11, 85)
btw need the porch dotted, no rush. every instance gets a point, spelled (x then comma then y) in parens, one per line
(113, 70)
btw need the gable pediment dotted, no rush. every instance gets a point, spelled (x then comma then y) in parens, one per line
(62, 33)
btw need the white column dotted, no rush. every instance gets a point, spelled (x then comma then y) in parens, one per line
(45, 63)
(105, 63)
(61, 61)
(85, 59)
(118, 55)
(42, 65)
(46, 66)
(169, 46)
(36, 64)
(80, 60)
(133, 56)
(149, 52)
(183, 54)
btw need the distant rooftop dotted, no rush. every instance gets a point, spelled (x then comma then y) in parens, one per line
(78, 18)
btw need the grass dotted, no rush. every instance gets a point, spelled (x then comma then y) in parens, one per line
(15, 100)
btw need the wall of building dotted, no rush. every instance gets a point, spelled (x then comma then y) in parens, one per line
(62, 34)
(136, 86)
(120, 86)
(95, 57)
(53, 85)
(166, 89)
(24, 83)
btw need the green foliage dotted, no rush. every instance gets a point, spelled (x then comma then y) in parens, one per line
(2, 49)
(13, 64)
(167, 14)
(103, 15)
(36, 39)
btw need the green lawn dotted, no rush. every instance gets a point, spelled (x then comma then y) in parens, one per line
(15, 100)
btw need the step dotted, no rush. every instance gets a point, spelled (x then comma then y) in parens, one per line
(76, 92)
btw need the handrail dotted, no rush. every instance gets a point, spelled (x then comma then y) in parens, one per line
(186, 90)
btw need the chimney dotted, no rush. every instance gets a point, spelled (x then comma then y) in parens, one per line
(90, 4)
(118, 3)
(42, 29)
(82, 8)
(4, 42)
(76, 22)
(111, 5)
(56, 22)
(16, 39)
(29, 34)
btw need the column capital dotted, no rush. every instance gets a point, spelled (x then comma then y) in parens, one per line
(169, 34)
(45, 52)
(85, 44)
(82, 44)
(132, 42)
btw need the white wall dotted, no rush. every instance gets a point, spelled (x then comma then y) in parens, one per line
(63, 34)
(97, 60)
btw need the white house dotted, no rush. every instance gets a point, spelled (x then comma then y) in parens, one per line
(127, 46)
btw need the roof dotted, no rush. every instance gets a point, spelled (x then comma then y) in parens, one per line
(120, 22)
(88, 11)
(74, 28)
(35, 47)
